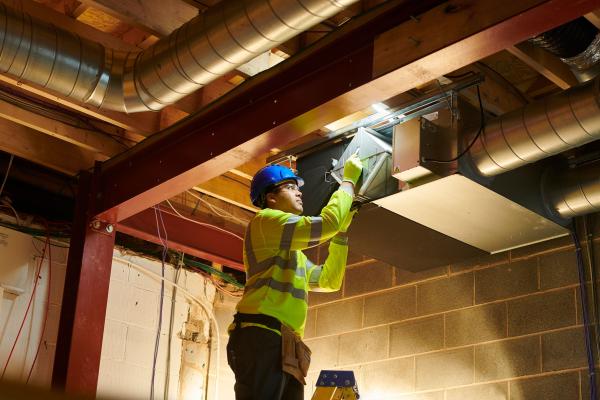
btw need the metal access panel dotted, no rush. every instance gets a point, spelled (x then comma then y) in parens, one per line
(467, 211)
(376, 155)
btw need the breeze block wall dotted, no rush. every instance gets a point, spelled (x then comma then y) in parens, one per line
(507, 326)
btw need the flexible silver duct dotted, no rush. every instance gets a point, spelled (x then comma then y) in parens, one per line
(574, 192)
(225, 36)
(539, 130)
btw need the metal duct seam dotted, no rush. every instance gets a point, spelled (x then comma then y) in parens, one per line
(539, 130)
(574, 192)
(206, 47)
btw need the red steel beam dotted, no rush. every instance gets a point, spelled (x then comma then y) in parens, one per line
(83, 308)
(194, 238)
(332, 79)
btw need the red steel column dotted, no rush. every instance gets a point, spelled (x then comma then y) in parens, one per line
(83, 310)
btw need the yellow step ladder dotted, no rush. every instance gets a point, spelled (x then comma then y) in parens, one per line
(336, 385)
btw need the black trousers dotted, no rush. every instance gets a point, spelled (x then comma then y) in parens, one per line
(254, 355)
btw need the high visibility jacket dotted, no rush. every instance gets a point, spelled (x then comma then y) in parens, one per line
(278, 274)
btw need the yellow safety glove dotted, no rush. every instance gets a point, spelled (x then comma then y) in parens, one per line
(352, 169)
(346, 223)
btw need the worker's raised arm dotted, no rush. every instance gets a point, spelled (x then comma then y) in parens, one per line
(328, 277)
(285, 231)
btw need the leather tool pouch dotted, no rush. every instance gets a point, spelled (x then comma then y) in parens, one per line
(295, 355)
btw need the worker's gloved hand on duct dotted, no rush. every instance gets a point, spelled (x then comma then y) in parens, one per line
(346, 223)
(352, 169)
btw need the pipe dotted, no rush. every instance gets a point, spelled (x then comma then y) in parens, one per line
(573, 192)
(225, 36)
(539, 130)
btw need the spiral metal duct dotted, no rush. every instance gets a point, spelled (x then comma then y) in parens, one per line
(213, 43)
(574, 192)
(539, 130)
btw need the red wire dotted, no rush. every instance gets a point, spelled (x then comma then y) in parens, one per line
(47, 306)
(37, 276)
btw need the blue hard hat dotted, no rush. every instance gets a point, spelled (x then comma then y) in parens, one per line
(268, 177)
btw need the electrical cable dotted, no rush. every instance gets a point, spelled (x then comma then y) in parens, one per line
(211, 270)
(217, 210)
(56, 113)
(35, 284)
(164, 242)
(586, 323)
(171, 324)
(207, 308)
(593, 281)
(45, 312)
(204, 223)
(14, 212)
(466, 150)
(6, 174)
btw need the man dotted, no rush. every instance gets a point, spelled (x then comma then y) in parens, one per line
(265, 350)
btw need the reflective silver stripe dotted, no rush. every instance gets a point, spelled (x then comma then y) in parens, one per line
(315, 274)
(288, 232)
(341, 239)
(283, 287)
(316, 228)
(281, 262)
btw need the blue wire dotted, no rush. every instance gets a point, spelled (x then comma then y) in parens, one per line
(586, 324)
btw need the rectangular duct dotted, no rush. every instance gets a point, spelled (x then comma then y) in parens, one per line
(427, 213)
(435, 195)
(473, 214)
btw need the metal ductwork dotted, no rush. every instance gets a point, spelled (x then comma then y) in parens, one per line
(539, 130)
(574, 192)
(577, 44)
(227, 35)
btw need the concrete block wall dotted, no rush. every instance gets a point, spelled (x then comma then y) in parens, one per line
(131, 326)
(507, 326)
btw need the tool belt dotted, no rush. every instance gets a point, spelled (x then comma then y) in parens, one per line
(295, 355)
(261, 319)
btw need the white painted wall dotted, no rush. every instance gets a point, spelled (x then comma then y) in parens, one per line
(20, 257)
(130, 328)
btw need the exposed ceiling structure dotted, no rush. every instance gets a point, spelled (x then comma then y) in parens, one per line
(233, 85)
(218, 111)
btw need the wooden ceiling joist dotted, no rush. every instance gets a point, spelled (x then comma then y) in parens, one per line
(545, 63)
(43, 149)
(85, 138)
(149, 15)
(228, 188)
(594, 17)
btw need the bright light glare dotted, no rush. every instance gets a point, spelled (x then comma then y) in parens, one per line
(380, 107)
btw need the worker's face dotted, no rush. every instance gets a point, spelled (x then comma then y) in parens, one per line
(286, 197)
